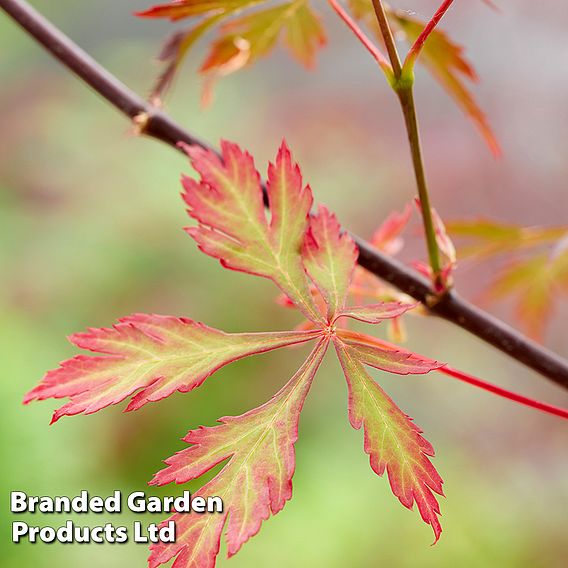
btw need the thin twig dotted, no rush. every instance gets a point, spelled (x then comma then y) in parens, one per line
(388, 37)
(161, 127)
(417, 46)
(363, 38)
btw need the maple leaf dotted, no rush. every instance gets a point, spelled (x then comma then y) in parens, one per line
(255, 482)
(387, 237)
(152, 354)
(535, 274)
(392, 441)
(446, 248)
(242, 40)
(233, 226)
(257, 33)
(246, 39)
(535, 284)
(181, 9)
(329, 259)
(308, 256)
(445, 243)
(174, 52)
(483, 238)
(366, 286)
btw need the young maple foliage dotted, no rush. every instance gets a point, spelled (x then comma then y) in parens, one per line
(243, 39)
(149, 357)
(255, 482)
(535, 274)
(388, 239)
(366, 287)
(448, 255)
(227, 203)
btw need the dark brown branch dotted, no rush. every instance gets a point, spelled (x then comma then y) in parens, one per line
(157, 124)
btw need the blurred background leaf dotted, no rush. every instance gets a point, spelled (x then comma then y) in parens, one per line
(534, 271)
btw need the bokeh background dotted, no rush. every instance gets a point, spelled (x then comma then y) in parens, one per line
(91, 229)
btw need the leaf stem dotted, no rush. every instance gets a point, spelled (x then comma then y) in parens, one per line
(388, 37)
(364, 39)
(515, 397)
(417, 46)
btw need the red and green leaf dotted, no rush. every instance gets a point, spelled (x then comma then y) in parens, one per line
(228, 204)
(376, 313)
(329, 258)
(242, 40)
(181, 9)
(535, 274)
(304, 35)
(483, 238)
(258, 32)
(446, 248)
(392, 441)
(254, 483)
(367, 287)
(148, 357)
(175, 50)
(387, 237)
(536, 285)
(384, 356)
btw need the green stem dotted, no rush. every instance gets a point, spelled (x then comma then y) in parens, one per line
(403, 85)
(406, 96)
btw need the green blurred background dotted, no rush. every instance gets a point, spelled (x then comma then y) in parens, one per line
(91, 229)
